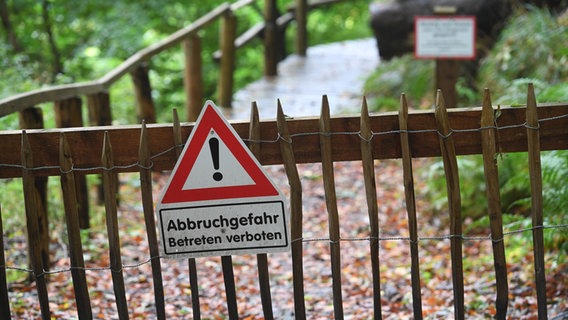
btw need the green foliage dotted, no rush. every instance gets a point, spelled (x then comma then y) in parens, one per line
(472, 186)
(402, 74)
(533, 48)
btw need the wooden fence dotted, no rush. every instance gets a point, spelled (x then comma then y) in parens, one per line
(69, 153)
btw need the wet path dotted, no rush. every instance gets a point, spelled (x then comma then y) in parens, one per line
(338, 70)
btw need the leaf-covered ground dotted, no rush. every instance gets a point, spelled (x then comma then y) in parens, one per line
(437, 294)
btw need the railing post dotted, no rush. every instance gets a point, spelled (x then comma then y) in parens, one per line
(36, 242)
(68, 114)
(32, 118)
(99, 109)
(4, 298)
(193, 77)
(99, 115)
(302, 29)
(270, 29)
(143, 89)
(228, 35)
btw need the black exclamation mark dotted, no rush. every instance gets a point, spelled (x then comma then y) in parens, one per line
(214, 147)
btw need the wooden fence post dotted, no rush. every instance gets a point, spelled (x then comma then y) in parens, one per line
(302, 27)
(4, 298)
(68, 114)
(192, 266)
(35, 238)
(331, 203)
(454, 201)
(110, 181)
(193, 77)
(489, 150)
(143, 90)
(410, 200)
(100, 114)
(372, 205)
(270, 38)
(32, 118)
(98, 105)
(447, 70)
(228, 35)
(148, 207)
(535, 172)
(296, 213)
(262, 259)
(73, 235)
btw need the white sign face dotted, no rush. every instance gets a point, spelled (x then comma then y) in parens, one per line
(219, 200)
(444, 37)
(210, 229)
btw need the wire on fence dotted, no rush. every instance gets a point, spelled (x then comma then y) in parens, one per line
(303, 240)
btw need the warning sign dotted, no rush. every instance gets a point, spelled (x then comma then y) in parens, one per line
(444, 37)
(219, 200)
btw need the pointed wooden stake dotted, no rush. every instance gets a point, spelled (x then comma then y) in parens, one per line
(410, 207)
(372, 205)
(296, 213)
(454, 201)
(488, 145)
(535, 172)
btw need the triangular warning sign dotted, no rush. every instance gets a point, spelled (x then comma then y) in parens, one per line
(215, 164)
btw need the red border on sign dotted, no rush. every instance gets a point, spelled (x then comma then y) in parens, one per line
(469, 57)
(211, 120)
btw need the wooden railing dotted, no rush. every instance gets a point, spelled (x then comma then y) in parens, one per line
(97, 91)
(486, 131)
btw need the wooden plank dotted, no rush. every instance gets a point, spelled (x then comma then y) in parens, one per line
(227, 68)
(71, 207)
(331, 203)
(99, 109)
(230, 289)
(31, 200)
(98, 105)
(296, 214)
(32, 118)
(148, 208)
(372, 206)
(192, 266)
(386, 144)
(488, 139)
(269, 35)
(22, 101)
(410, 199)
(193, 77)
(143, 92)
(301, 12)
(110, 181)
(68, 114)
(454, 202)
(535, 172)
(4, 298)
(262, 259)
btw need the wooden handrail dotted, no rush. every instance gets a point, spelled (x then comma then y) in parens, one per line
(56, 93)
(22, 101)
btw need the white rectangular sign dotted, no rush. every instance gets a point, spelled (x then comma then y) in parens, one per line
(224, 229)
(438, 37)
